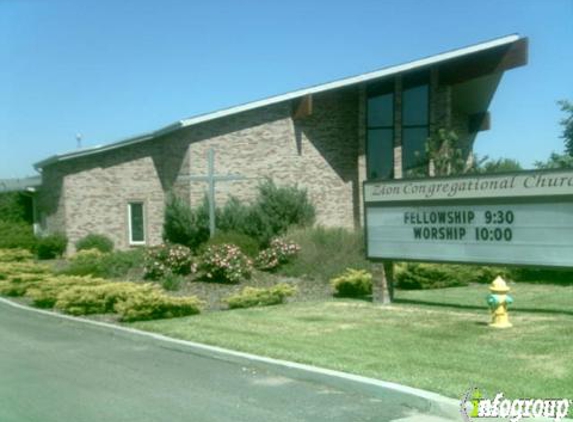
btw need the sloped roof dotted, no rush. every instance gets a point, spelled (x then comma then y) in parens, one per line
(341, 83)
(19, 185)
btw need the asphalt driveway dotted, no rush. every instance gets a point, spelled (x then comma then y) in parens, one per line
(55, 370)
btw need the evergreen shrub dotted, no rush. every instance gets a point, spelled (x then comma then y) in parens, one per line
(104, 265)
(16, 235)
(412, 276)
(353, 283)
(277, 208)
(51, 246)
(185, 226)
(97, 299)
(155, 305)
(17, 286)
(45, 294)
(95, 241)
(251, 296)
(15, 255)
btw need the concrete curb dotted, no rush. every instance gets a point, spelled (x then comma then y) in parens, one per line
(419, 400)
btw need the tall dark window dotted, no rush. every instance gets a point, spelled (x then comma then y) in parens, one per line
(136, 223)
(380, 132)
(415, 123)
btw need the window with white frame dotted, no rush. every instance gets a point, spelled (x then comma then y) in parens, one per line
(136, 216)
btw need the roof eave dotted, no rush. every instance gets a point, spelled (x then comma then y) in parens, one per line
(341, 83)
(102, 148)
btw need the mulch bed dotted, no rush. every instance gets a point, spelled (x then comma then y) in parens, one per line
(213, 293)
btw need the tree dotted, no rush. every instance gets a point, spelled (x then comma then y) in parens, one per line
(567, 123)
(565, 160)
(555, 161)
(501, 165)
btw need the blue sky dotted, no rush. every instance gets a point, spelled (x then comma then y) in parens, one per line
(112, 69)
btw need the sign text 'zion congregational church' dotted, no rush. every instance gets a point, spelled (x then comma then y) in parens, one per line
(522, 219)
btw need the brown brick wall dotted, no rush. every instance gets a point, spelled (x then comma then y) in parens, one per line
(320, 153)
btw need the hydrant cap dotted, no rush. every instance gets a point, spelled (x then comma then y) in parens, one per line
(499, 285)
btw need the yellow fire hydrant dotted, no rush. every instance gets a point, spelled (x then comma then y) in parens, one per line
(498, 300)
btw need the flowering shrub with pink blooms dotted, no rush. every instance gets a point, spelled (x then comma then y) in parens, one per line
(279, 252)
(167, 259)
(225, 263)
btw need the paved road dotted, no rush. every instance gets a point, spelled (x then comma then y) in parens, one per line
(54, 370)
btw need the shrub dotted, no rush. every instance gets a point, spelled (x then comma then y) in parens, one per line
(51, 246)
(99, 242)
(185, 226)
(16, 235)
(541, 275)
(278, 208)
(325, 253)
(16, 207)
(353, 283)
(165, 259)
(251, 296)
(11, 269)
(279, 252)
(434, 276)
(428, 276)
(45, 294)
(246, 244)
(110, 265)
(155, 305)
(233, 217)
(97, 299)
(172, 282)
(18, 285)
(15, 255)
(225, 263)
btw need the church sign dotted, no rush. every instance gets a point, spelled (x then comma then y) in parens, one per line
(524, 218)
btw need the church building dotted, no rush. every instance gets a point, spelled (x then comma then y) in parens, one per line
(328, 139)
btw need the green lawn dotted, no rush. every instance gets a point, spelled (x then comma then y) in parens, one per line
(436, 340)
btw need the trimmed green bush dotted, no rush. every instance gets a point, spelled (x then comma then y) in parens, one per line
(233, 217)
(155, 305)
(95, 241)
(542, 276)
(51, 246)
(11, 269)
(98, 299)
(277, 209)
(353, 283)
(251, 296)
(246, 244)
(16, 207)
(15, 255)
(185, 226)
(413, 276)
(109, 265)
(45, 294)
(15, 235)
(17, 286)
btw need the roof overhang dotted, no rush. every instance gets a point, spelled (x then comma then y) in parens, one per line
(464, 61)
(27, 184)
